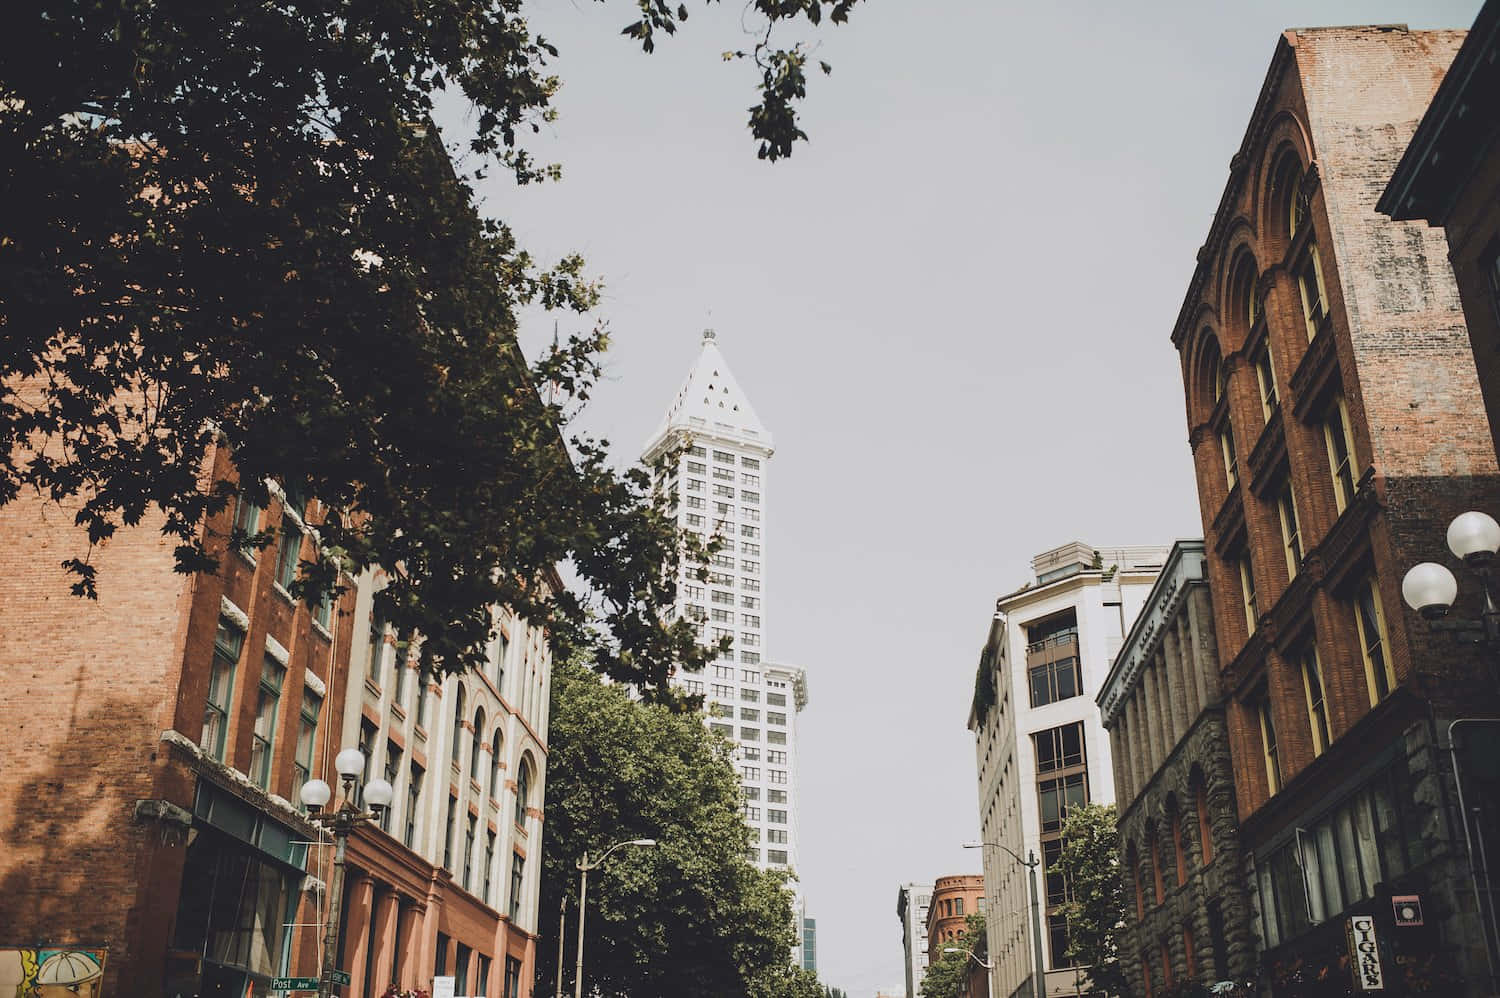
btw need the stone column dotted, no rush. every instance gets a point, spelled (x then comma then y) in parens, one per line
(385, 959)
(1166, 654)
(357, 925)
(1139, 753)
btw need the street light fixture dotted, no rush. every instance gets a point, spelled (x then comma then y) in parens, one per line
(1038, 973)
(1430, 588)
(972, 955)
(584, 866)
(315, 795)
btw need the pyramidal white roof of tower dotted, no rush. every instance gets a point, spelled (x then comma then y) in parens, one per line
(712, 403)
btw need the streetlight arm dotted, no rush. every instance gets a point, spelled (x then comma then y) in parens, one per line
(584, 863)
(972, 955)
(1000, 845)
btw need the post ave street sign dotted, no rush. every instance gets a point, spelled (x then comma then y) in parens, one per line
(338, 977)
(294, 984)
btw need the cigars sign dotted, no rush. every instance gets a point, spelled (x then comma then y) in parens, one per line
(1364, 954)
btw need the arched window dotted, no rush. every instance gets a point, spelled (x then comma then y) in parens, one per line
(523, 791)
(1288, 206)
(458, 724)
(495, 756)
(478, 741)
(1242, 299)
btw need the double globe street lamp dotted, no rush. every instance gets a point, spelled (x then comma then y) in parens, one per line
(315, 795)
(1431, 589)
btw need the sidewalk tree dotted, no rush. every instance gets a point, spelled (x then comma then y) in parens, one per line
(946, 975)
(1091, 863)
(691, 918)
(232, 223)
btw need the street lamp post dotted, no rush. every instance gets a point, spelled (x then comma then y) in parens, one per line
(1038, 973)
(972, 955)
(315, 795)
(1430, 589)
(584, 866)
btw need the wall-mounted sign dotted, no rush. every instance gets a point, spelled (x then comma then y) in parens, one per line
(1364, 954)
(1408, 909)
(442, 987)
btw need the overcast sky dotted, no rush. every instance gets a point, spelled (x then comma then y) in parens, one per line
(952, 308)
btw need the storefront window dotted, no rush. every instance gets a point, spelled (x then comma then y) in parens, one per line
(233, 911)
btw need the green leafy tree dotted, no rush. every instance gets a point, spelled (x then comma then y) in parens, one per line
(1091, 863)
(946, 975)
(691, 918)
(835, 993)
(231, 224)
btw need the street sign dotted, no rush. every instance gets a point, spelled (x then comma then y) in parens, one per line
(338, 977)
(442, 987)
(1408, 910)
(294, 984)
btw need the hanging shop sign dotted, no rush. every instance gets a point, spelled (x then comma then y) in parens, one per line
(1364, 954)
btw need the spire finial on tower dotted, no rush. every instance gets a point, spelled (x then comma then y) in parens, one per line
(709, 336)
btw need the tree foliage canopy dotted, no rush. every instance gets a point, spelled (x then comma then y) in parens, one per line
(691, 918)
(946, 975)
(1091, 863)
(231, 223)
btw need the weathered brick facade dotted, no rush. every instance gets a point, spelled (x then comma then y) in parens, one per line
(1337, 427)
(1187, 908)
(104, 709)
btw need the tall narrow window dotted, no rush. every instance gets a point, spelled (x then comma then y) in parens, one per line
(228, 642)
(375, 654)
(523, 792)
(290, 554)
(272, 673)
(478, 744)
(1190, 958)
(469, 835)
(1340, 451)
(1247, 590)
(307, 740)
(495, 765)
(517, 880)
(1231, 463)
(1312, 687)
(1370, 620)
(1268, 740)
(448, 833)
(246, 522)
(1265, 377)
(489, 861)
(424, 694)
(456, 753)
(413, 803)
(392, 774)
(398, 665)
(1310, 285)
(1291, 531)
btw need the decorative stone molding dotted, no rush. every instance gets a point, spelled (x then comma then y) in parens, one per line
(311, 680)
(163, 811)
(239, 618)
(277, 650)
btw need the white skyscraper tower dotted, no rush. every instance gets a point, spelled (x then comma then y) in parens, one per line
(718, 480)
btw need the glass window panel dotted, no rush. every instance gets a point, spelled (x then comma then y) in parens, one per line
(1328, 870)
(1343, 824)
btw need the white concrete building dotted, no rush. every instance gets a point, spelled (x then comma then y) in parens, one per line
(712, 457)
(1040, 744)
(451, 877)
(912, 902)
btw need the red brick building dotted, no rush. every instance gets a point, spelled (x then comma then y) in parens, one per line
(954, 899)
(1337, 426)
(158, 738)
(155, 740)
(1450, 177)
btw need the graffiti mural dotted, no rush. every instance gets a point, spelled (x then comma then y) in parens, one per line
(51, 973)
